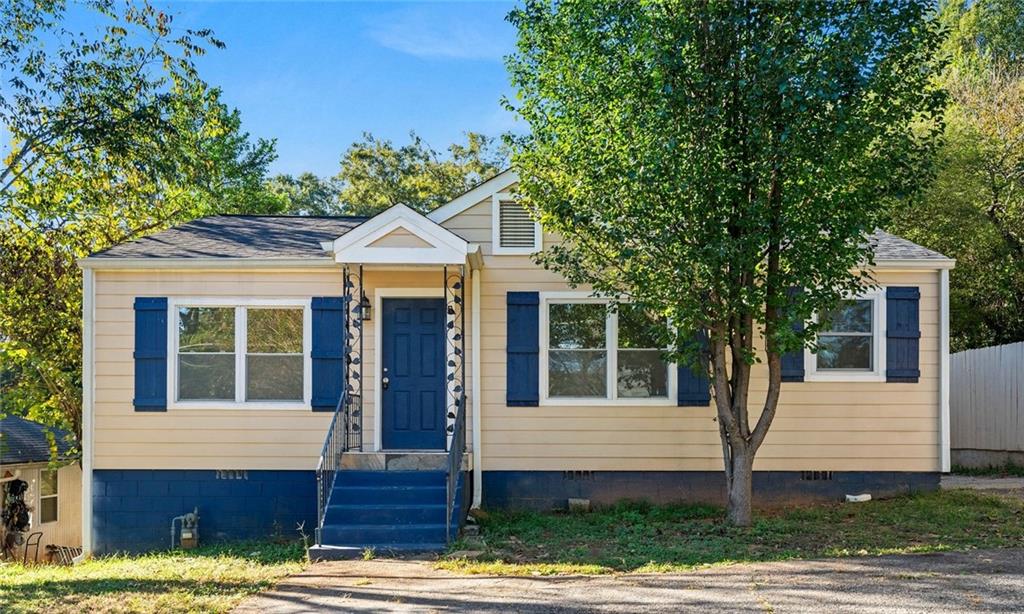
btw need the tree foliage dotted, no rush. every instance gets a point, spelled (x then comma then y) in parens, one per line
(974, 211)
(114, 136)
(306, 194)
(703, 159)
(375, 174)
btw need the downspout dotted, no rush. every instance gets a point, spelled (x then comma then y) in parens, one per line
(475, 366)
(944, 444)
(88, 388)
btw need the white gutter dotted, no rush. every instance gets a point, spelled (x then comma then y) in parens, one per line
(944, 454)
(475, 367)
(88, 394)
(914, 265)
(205, 263)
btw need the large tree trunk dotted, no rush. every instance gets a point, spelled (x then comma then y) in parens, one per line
(740, 487)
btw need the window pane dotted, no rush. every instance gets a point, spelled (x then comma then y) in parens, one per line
(48, 509)
(638, 329)
(642, 374)
(845, 352)
(206, 377)
(206, 329)
(274, 331)
(47, 482)
(577, 373)
(854, 317)
(273, 378)
(577, 325)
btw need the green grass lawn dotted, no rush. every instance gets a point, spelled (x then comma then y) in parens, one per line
(646, 538)
(210, 579)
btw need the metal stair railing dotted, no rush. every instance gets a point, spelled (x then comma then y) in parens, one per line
(335, 444)
(454, 468)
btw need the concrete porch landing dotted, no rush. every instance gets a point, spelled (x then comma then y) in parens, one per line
(398, 460)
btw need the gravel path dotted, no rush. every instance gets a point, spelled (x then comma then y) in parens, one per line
(988, 581)
(1011, 486)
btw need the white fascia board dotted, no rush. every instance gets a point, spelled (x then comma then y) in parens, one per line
(108, 264)
(495, 184)
(446, 246)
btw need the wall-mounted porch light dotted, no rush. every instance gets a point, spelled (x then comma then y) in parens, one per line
(365, 309)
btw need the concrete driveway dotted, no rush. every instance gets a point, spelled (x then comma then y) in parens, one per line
(989, 581)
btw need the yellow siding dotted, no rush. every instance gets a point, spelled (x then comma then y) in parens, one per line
(227, 438)
(400, 237)
(819, 425)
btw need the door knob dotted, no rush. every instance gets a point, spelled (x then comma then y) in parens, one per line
(385, 380)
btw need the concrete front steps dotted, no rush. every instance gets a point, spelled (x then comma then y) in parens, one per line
(390, 512)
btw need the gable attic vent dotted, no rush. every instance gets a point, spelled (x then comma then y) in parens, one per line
(515, 228)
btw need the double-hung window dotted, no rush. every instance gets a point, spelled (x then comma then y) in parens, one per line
(850, 342)
(593, 355)
(48, 496)
(250, 354)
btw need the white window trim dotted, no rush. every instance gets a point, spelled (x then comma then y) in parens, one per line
(496, 247)
(611, 344)
(240, 344)
(40, 496)
(813, 374)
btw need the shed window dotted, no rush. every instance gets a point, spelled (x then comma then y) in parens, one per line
(48, 496)
(241, 354)
(594, 354)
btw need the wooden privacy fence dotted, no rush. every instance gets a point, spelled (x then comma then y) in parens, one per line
(987, 405)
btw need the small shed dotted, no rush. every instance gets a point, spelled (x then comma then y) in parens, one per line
(40, 496)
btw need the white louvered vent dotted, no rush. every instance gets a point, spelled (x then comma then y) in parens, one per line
(515, 228)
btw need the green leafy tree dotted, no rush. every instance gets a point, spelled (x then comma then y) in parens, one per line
(375, 174)
(974, 210)
(113, 137)
(704, 159)
(306, 194)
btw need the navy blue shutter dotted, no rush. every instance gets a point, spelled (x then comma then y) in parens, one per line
(793, 362)
(328, 351)
(693, 384)
(522, 374)
(150, 354)
(903, 334)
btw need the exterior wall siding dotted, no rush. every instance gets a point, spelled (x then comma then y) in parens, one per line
(822, 426)
(132, 509)
(218, 438)
(833, 426)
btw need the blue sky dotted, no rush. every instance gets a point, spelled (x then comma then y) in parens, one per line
(316, 75)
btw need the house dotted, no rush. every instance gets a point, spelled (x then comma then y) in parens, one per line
(51, 492)
(371, 378)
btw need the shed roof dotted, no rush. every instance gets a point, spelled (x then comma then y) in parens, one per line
(24, 441)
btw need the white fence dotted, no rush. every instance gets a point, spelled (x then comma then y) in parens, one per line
(987, 405)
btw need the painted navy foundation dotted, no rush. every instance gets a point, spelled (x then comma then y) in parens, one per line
(132, 509)
(546, 490)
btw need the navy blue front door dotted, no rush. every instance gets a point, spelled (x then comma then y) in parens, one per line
(412, 360)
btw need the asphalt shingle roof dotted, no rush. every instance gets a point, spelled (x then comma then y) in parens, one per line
(890, 247)
(25, 441)
(239, 236)
(281, 236)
